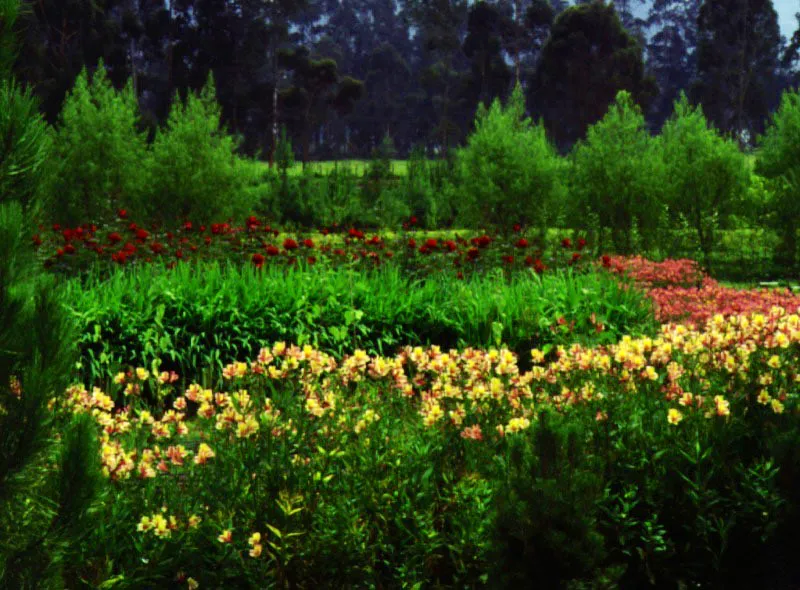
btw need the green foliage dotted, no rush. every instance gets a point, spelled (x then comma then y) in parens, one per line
(706, 175)
(779, 161)
(618, 176)
(188, 318)
(9, 13)
(195, 171)
(98, 153)
(46, 489)
(25, 146)
(545, 531)
(508, 172)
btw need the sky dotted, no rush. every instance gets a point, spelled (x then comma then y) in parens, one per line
(786, 20)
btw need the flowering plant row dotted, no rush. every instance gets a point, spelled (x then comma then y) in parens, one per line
(250, 472)
(682, 292)
(259, 243)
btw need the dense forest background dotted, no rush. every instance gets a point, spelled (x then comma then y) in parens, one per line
(340, 75)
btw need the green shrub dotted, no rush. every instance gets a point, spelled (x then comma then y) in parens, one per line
(617, 177)
(508, 172)
(98, 155)
(706, 178)
(194, 169)
(779, 161)
(25, 146)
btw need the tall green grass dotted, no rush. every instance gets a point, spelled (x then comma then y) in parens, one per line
(209, 315)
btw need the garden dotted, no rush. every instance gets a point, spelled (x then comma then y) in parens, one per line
(509, 368)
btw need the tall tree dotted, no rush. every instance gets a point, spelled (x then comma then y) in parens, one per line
(587, 59)
(60, 38)
(316, 89)
(671, 52)
(737, 61)
(489, 76)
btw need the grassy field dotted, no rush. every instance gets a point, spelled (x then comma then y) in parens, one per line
(359, 167)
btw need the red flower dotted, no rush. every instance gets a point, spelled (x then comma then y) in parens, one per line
(481, 241)
(339, 252)
(508, 259)
(472, 253)
(308, 243)
(68, 234)
(37, 241)
(431, 243)
(424, 249)
(412, 243)
(522, 243)
(272, 250)
(119, 257)
(389, 254)
(581, 244)
(354, 233)
(258, 259)
(187, 225)
(122, 213)
(56, 227)
(193, 248)
(207, 240)
(517, 227)
(312, 259)
(69, 249)
(289, 244)
(156, 248)
(566, 243)
(325, 231)
(252, 221)
(413, 220)
(450, 245)
(60, 252)
(179, 254)
(460, 275)
(575, 257)
(606, 261)
(142, 234)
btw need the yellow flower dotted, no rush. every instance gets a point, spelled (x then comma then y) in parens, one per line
(145, 524)
(194, 521)
(142, 373)
(254, 539)
(226, 536)
(777, 406)
(723, 406)
(774, 361)
(256, 550)
(192, 584)
(537, 356)
(674, 416)
(517, 424)
(763, 397)
(119, 378)
(204, 453)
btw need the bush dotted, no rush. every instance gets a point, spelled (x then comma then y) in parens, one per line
(706, 178)
(25, 146)
(779, 161)
(99, 155)
(617, 177)
(195, 170)
(508, 172)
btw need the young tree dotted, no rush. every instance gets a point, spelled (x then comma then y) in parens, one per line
(706, 176)
(508, 172)
(617, 175)
(779, 161)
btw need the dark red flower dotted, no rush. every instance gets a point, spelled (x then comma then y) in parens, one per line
(69, 249)
(142, 234)
(325, 231)
(606, 260)
(566, 243)
(522, 243)
(308, 243)
(575, 257)
(460, 275)
(412, 243)
(508, 259)
(272, 250)
(60, 252)
(157, 248)
(339, 252)
(389, 254)
(179, 254)
(354, 233)
(413, 220)
(193, 248)
(472, 253)
(312, 259)
(187, 225)
(37, 241)
(56, 227)
(258, 259)
(431, 243)
(580, 244)
(517, 227)
(289, 244)
(207, 240)
(122, 213)
(450, 245)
